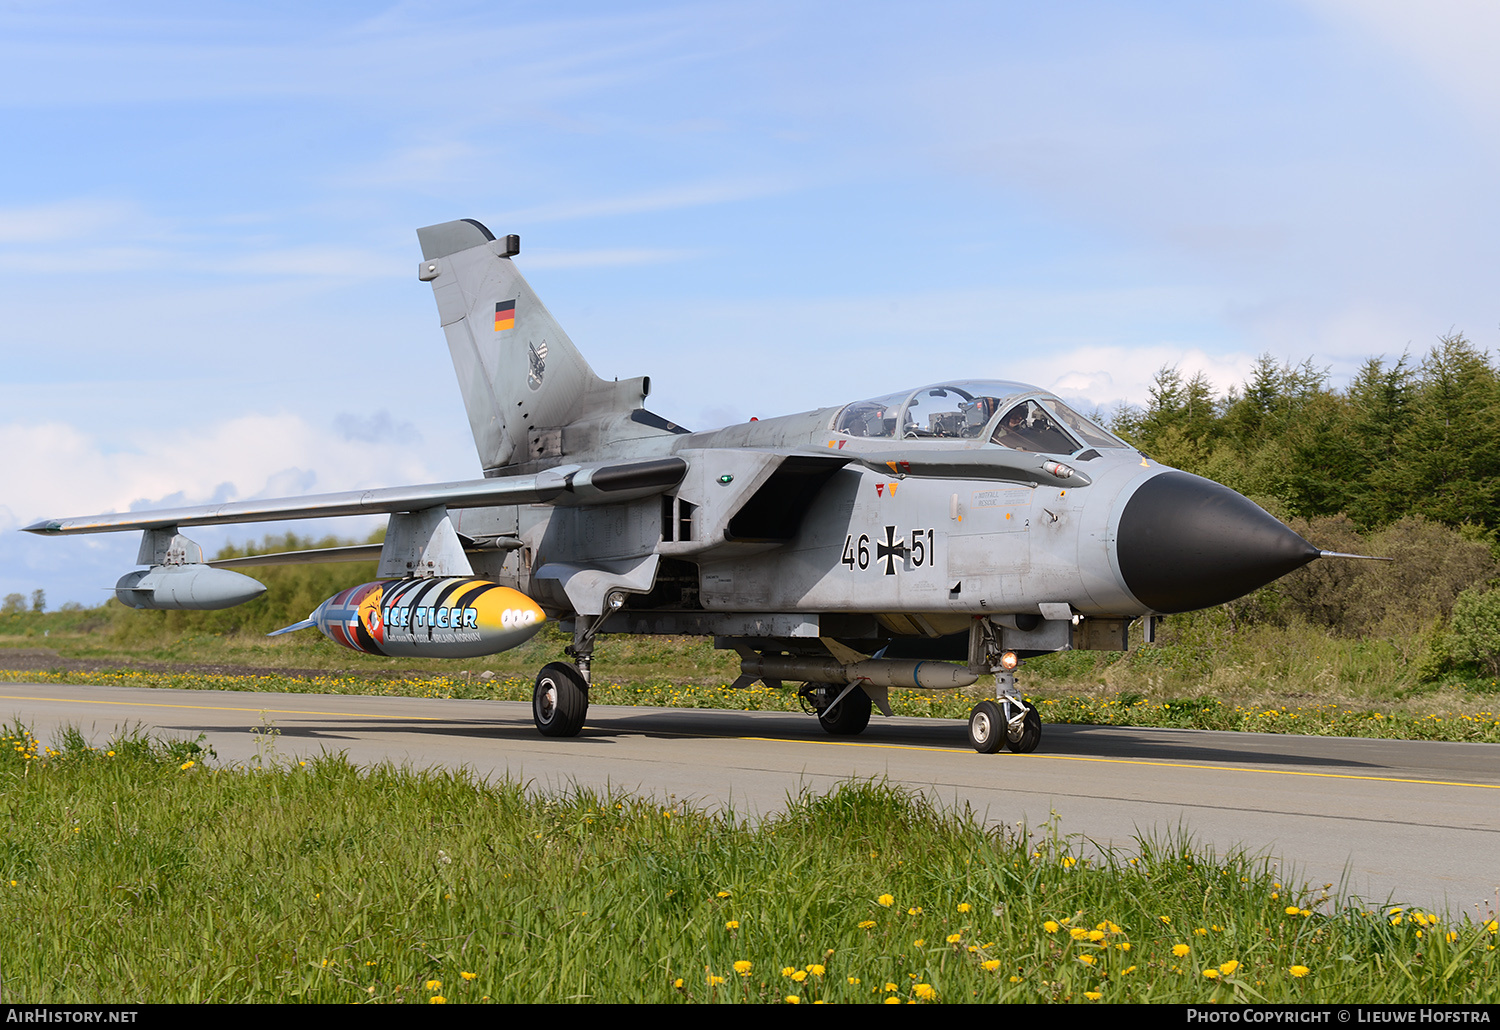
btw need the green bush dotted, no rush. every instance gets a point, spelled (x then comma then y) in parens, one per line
(1475, 637)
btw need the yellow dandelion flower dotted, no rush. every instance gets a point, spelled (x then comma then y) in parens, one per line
(1078, 933)
(919, 942)
(1093, 995)
(733, 924)
(964, 907)
(434, 985)
(1229, 967)
(1180, 950)
(792, 999)
(990, 965)
(1096, 935)
(885, 901)
(1050, 926)
(914, 911)
(188, 764)
(677, 983)
(742, 967)
(924, 991)
(866, 924)
(1212, 974)
(799, 975)
(437, 999)
(954, 938)
(1087, 960)
(713, 981)
(723, 894)
(853, 981)
(890, 987)
(1299, 971)
(816, 970)
(892, 1000)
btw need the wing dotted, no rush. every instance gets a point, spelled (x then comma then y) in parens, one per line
(569, 484)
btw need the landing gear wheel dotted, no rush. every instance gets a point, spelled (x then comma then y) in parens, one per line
(1029, 735)
(848, 717)
(986, 728)
(561, 700)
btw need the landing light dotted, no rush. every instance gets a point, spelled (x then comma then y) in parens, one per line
(1009, 661)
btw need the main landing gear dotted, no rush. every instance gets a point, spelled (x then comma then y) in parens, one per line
(560, 701)
(842, 710)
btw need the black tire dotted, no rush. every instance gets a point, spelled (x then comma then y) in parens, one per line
(561, 700)
(986, 728)
(1030, 736)
(849, 717)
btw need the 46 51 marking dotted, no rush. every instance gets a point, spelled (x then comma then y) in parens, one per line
(919, 553)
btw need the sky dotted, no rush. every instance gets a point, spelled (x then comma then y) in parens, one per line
(208, 261)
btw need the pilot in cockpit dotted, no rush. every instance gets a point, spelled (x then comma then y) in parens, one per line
(1013, 430)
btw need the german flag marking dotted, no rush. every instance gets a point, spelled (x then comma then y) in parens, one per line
(505, 315)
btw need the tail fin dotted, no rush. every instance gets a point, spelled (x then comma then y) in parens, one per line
(521, 377)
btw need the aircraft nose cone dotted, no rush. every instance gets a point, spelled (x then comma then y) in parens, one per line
(1185, 542)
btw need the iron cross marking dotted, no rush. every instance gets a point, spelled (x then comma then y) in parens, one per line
(889, 551)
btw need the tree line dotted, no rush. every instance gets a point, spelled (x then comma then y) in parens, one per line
(1404, 438)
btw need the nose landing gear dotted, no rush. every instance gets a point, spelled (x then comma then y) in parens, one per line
(1008, 722)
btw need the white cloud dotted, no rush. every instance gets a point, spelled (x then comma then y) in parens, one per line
(74, 220)
(56, 470)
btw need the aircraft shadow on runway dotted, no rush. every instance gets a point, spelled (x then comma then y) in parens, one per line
(607, 724)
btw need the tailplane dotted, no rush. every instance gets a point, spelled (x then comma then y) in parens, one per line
(521, 377)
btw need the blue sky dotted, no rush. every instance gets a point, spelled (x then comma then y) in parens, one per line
(207, 257)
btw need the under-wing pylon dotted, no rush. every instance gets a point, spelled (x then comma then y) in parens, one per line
(920, 540)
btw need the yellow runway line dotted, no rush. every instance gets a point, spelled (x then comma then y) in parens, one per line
(1161, 765)
(218, 708)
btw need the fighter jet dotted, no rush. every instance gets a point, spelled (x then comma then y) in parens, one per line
(919, 540)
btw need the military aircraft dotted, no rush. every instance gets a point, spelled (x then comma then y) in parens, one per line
(920, 540)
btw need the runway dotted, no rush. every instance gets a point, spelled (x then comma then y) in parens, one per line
(1414, 821)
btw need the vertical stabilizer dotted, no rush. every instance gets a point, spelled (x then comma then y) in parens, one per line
(521, 377)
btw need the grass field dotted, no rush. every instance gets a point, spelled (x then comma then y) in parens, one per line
(141, 871)
(136, 871)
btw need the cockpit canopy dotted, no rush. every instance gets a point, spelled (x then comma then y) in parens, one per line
(1012, 415)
